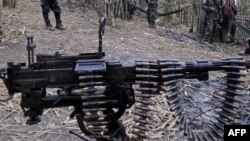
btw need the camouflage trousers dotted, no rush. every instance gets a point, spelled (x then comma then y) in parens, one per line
(152, 13)
(228, 26)
(131, 7)
(53, 5)
(212, 27)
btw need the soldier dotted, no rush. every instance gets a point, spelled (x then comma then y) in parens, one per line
(131, 8)
(53, 5)
(229, 12)
(152, 12)
(213, 17)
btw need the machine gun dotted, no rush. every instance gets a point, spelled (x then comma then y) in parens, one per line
(100, 91)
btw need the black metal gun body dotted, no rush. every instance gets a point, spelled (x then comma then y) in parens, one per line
(100, 91)
(65, 72)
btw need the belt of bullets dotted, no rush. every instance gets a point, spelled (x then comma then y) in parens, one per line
(164, 76)
(96, 118)
(147, 81)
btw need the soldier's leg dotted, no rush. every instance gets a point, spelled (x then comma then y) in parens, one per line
(222, 38)
(217, 31)
(204, 27)
(45, 4)
(57, 11)
(152, 13)
(232, 30)
(212, 30)
(209, 29)
(224, 30)
(131, 8)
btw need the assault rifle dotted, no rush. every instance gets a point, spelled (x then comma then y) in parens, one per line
(100, 91)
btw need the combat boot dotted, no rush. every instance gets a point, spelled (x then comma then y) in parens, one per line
(47, 21)
(59, 24)
(231, 39)
(49, 27)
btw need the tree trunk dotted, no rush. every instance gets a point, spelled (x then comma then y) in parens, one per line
(1, 20)
(200, 18)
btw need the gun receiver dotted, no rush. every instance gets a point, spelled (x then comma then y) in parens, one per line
(99, 91)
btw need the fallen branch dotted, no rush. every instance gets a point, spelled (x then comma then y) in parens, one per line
(142, 10)
(173, 12)
(165, 14)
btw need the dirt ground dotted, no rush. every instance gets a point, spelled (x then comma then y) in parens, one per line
(126, 42)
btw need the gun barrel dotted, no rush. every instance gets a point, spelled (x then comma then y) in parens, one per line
(203, 66)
